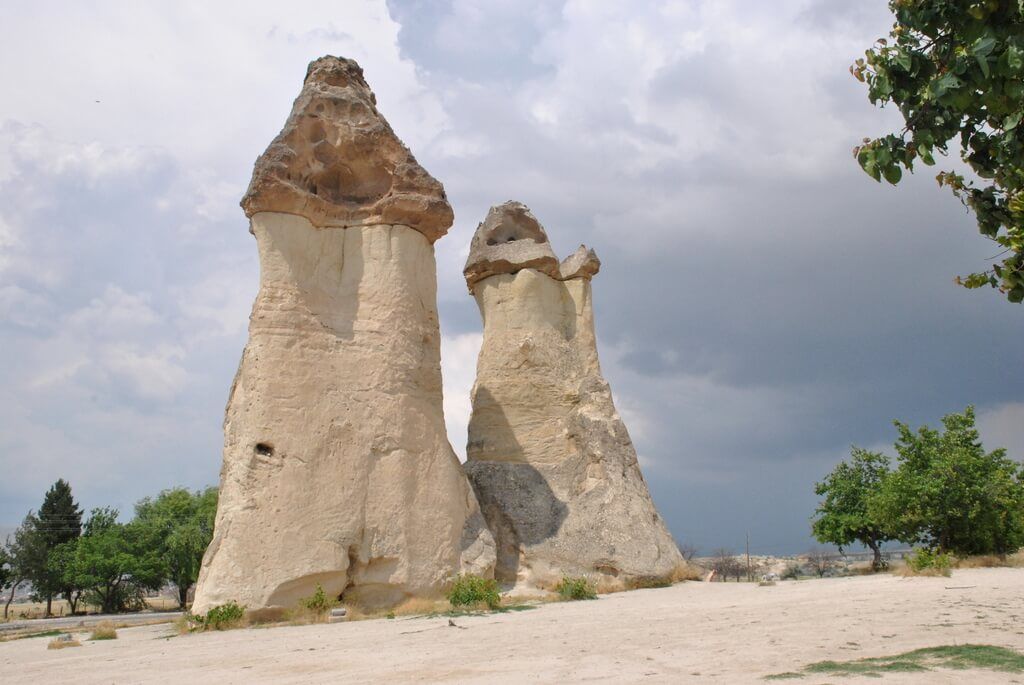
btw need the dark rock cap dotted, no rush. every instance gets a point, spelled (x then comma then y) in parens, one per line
(509, 239)
(338, 163)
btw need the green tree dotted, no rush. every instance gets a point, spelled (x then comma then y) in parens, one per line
(948, 494)
(955, 68)
(179, 525)
(7, 577)
(843, 516)
(59, 521)
(26, 553)
(115, 562)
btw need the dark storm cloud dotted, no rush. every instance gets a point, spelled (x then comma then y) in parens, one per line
(762, 303)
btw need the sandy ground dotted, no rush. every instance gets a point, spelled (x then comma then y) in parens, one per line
(693, 632)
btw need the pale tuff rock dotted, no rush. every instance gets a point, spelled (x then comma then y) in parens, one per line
(337, 467)
(509, 239)
(337, 162)
(582, 263)
(550, 459)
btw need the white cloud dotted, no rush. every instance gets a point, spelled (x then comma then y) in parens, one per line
(458, 370)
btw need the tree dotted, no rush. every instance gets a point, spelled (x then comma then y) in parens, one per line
(179, 525)
(725, 564)
(843, 517)
(820, 561)
(26, 554)
(949, 494)
(115, 562)
(956, 68)
(7, 577)
(59, 521)
(688, 551)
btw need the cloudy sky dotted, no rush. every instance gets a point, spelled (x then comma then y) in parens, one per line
(762, 303)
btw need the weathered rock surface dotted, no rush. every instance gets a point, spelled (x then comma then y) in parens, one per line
(509, 239)
(337, 467)
(582, 263)
(549, 457)
(337, 162)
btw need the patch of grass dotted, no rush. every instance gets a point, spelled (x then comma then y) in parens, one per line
(223, 617)
(58, 643)
(576, 588)
(686, 571)
(45, 633)
(104, 631)
(647, 582)
(991, 561)
(318, 602)
(957, 657)
(927, 562)
(468, 590)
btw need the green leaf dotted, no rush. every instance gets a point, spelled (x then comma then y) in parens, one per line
(893, 174)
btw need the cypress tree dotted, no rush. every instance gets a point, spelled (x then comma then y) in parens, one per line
(59, 521)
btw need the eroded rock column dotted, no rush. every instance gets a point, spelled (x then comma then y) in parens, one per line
(550, 459)
(337, 467)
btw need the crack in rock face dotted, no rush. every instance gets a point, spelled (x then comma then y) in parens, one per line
(551, 462)
(337, 467)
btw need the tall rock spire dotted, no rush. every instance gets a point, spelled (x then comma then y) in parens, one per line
(337, 468)
(549, 457)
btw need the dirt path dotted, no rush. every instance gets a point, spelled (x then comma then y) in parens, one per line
(694, 632)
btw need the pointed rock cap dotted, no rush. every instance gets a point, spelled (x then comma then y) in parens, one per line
(338, 163)
(510, 239)
(583, 263)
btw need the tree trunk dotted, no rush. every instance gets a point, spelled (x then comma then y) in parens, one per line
(10, 598)
(876, 549)
(49, 605)
(182, 596)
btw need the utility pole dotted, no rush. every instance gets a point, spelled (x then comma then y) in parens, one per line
(750, 577)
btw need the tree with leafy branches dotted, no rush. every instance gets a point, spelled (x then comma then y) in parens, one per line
(26, 553)
(948, 494)
(843, 517)
(115, 562)
(179, 526)
(955, 70)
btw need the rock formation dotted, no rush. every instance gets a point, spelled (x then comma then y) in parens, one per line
(550, 460)
(337, 467)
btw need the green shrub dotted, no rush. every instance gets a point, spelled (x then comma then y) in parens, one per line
(468, 590)
(221, 617)
(318, 602)
(576, 588)
(791, 572)
(924, 559)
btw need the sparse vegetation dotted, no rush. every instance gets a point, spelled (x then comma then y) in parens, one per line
(927, 562)
(821, 562)
(223, 617)
(62, 642)
(576, 588)
(956, 657)
(318, 604)
(791, 572)
(647, 582)
(104, 631)
(469, 590)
